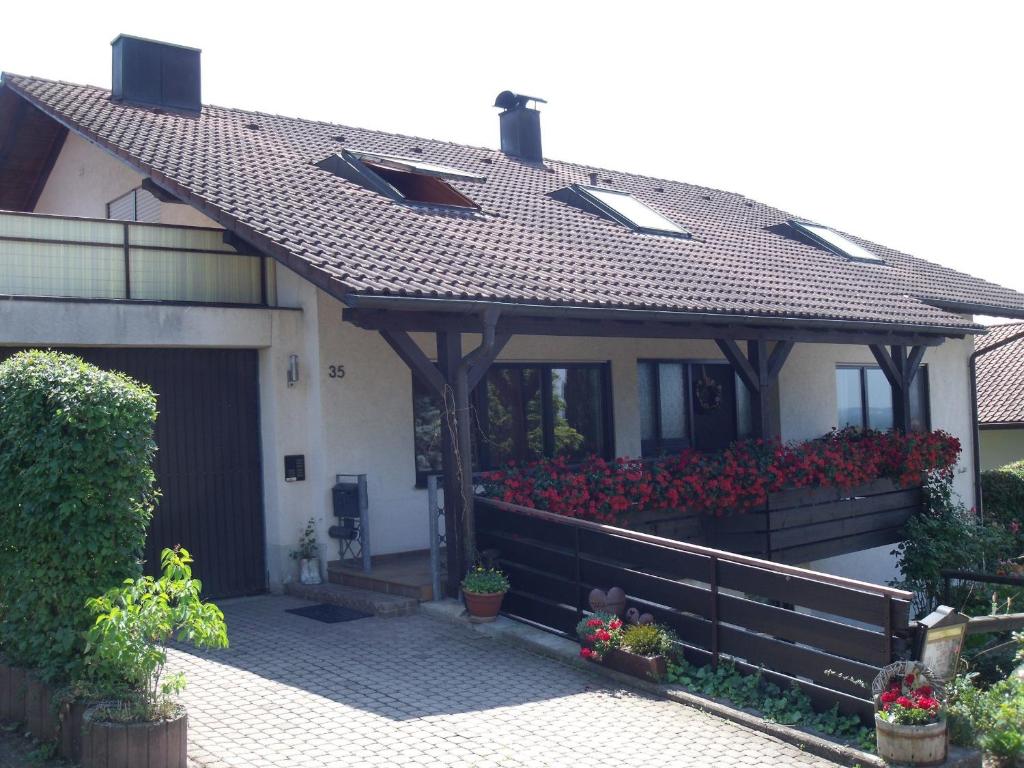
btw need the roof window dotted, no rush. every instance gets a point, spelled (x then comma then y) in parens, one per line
(833, 241)
(401, 178)
(621, 207)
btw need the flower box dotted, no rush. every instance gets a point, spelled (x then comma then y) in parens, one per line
(911, 744)
(645, 667)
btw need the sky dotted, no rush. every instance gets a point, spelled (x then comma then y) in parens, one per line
(900, 122)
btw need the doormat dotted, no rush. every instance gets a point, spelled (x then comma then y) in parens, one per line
(328, 614)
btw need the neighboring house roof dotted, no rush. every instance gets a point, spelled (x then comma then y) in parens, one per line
(1001, 376)
(254, 174)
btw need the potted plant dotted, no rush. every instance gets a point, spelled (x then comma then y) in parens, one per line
(484, 589)
(910, 722)
(599, 635)
(308, 555)
(139, 724)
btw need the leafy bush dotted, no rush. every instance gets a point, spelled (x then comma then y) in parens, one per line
(76, 445)
(308, 545)
(647, 640)
(127, 645)
(484, 581)
(1003, 493)
(788, 706)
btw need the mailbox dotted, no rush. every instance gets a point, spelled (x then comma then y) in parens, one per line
(345, 497)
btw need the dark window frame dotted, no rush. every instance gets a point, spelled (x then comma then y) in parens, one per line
(922, 377)
(660, 447)
(478, 404)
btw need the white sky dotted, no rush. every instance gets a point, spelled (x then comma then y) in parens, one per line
(900, 122)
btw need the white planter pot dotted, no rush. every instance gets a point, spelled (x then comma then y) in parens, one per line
(309, 571)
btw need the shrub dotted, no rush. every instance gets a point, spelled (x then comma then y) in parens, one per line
(647, 640)
(127, 645)
(76, 444)
(1003, 493)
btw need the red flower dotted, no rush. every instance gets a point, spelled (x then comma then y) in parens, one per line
(889, 696)
(904, 702)
(909, 679)
(595, 623)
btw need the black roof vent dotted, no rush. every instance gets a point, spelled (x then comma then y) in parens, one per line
(155, 74)
(520, 126)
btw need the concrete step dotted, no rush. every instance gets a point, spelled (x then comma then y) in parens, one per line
(406, 576)
(377, 603)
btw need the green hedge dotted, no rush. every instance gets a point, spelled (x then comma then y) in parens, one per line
(76, 447)
(1003, 493)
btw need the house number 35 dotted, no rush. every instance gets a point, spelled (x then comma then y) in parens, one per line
(336, 371)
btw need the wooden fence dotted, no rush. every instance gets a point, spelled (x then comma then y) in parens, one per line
(721, 604)
(798, 525)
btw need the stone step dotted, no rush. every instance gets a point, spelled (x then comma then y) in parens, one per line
(377, 603)
(392, 575)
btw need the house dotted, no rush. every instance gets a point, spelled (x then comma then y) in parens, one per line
(313, 300)
(1000, 385)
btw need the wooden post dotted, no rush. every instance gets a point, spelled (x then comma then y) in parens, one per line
(900, 367)
(759, 372)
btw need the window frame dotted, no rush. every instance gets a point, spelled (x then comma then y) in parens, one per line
(478, 403)
(856, 253)
(585, 192)
(678, 445)
(865, 403)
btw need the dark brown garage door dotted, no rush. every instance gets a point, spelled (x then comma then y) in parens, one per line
(208, 459)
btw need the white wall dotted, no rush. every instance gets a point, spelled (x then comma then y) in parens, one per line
(1000, 447)
(86, 177)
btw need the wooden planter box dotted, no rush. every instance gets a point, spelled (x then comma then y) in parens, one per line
(162, 744)
(13, 682)
(911, 744)
(645, 667)
(797, 525)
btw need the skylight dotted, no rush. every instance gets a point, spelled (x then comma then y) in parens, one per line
(402, 179)
(626, 209)
(833, 241)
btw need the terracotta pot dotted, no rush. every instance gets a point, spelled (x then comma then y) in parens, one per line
(644, 667)
(911, 744)
(163, 744)
(483, 607)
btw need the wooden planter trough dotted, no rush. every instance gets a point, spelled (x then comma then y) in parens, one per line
(911, 744)
(644, 667)
(797, 525)
(161, 744)
(26, 699)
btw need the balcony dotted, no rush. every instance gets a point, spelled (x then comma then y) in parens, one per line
(101, 260)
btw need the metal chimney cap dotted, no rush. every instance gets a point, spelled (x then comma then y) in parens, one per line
(507, 100)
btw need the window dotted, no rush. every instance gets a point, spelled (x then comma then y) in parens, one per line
(137, 205)
(690, 405)
(864, 399)
(524, 412)
(402, 179)
(621, 207)
(833, 241)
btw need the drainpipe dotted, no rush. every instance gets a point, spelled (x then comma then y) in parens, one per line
(976, 429)
(463, 438)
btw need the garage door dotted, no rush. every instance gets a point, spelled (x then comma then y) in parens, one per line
(208, 460)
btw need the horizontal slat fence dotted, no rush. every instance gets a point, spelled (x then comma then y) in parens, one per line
(721, 604)
(798, 525)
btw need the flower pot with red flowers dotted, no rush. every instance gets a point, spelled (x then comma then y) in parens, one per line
(483, 590)
(600, 635)
(910, 722)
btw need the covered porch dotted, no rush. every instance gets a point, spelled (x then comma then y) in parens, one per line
(452, 346)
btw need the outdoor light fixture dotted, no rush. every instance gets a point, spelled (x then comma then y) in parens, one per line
(940, 638)
(293, 370)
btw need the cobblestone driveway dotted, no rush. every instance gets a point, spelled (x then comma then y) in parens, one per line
(416, 691)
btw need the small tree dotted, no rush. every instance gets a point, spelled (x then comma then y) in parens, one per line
(76, 496)
(127, 647)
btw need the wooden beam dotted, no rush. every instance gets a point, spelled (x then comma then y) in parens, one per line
(740, 364)
(893, 372)
(914, 363)
(449, 355)
(480, 365)
(433, 322)
(778, 357)
(421, 365)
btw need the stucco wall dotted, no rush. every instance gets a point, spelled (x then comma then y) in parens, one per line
(85, 178)
(1000, 447)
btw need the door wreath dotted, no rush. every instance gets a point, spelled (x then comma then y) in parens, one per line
(707, 392)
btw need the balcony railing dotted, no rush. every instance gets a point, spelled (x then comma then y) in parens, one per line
(62, 257)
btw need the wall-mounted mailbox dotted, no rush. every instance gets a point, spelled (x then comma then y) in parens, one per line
(294, 468)
(345, 498)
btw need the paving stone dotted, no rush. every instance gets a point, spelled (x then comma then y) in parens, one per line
(415, 690)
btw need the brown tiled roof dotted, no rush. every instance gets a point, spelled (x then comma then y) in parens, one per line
(1001, 376)
(255, 172)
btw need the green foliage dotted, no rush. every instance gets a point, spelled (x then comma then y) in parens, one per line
(647, 640)
(991, 718)
(127, 646)
(308, 546)
(1003, 493)
(484, 581)
(787, 706)
(76, 445)
(946, 536)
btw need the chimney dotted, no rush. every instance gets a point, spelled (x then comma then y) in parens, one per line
(155, 74)
(520, 126)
